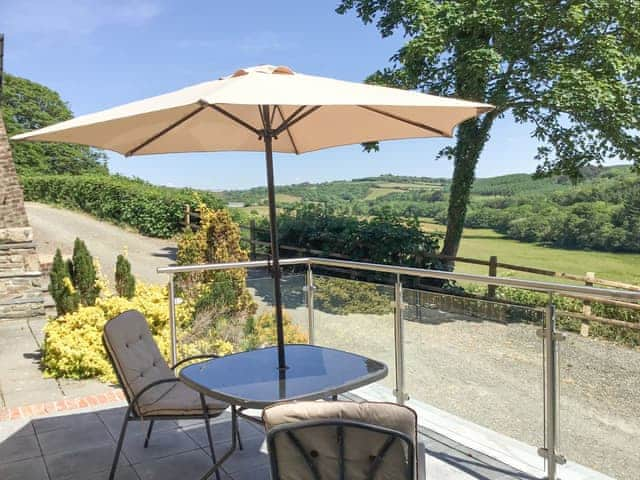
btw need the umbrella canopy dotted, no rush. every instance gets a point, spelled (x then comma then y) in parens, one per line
(268, 109)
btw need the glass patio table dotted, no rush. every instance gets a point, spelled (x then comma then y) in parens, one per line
(252, 379)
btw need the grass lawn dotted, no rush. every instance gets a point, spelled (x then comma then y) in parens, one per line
(482, 243)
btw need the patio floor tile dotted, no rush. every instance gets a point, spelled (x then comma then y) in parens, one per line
(124, 472)
(68, 421)
(221, 432)
(252, 457)
(262, 473)
(29, 469)
(113, 418)
(19, 447)
(192, 464)
(74, 439)
(16, 428)
(82, 462)
(161, 444)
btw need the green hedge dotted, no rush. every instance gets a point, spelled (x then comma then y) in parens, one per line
(152, 210)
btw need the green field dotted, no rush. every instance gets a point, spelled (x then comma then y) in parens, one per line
(377, 192)
(482, 243)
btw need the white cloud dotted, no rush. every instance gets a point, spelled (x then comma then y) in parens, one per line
(73, 17)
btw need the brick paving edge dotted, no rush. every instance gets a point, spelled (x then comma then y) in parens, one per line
(64, 405)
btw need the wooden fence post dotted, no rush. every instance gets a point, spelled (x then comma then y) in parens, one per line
(493, 272)
(252, 238)
(187, 215)
(586, 305)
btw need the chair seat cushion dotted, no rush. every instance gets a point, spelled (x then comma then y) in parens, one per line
(176, 399)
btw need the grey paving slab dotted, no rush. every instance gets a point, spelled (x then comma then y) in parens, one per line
(161, 444)
(221, 432)
(82, 462)
(81, 447)
(73, 439)
(252, 457)
(191, 464)
(19, 447)
(124, 472)
(262, 473)
(113, 419)
(68, 421)
(15, 428)
(29, 469)
(465, 460)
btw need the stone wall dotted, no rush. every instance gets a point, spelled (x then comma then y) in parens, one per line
(20, 278)
(12, 212)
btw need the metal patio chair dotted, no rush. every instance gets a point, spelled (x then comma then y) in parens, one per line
(343, 441)
(151, 387)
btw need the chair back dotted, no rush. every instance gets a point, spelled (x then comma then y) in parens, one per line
(341, 440)
(135, 356)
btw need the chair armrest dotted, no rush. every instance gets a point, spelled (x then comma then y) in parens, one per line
(134, 400)
(194, 357)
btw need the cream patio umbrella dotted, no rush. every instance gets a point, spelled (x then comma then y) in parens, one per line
(268, 109)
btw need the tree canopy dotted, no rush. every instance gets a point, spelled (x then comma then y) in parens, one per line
(27, 105)
(569, 68)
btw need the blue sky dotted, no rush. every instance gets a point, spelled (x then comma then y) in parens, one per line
(101, 53)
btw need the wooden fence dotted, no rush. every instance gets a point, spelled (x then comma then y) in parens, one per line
(191, 219)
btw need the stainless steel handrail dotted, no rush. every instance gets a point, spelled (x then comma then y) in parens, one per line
(548, 287)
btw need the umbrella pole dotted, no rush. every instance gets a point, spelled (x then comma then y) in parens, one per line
(275, 249)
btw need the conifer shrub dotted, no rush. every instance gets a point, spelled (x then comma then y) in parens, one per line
(125, 281)
(84, 273)
(61, 288)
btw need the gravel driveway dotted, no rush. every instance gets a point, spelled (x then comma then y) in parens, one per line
(58, 228)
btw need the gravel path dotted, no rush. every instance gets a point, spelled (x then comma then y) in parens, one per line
(58, 228)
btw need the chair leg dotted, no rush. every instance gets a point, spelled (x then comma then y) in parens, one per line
(207, 425)
(146, 439)
(237, 431)
(116, 456)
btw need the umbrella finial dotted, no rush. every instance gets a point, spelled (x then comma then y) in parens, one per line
(280, 70)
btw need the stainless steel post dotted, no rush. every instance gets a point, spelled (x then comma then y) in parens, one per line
(398, 331)
(172, 320)
(310, 291)
(552, 418)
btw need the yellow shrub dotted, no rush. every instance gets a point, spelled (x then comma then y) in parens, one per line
(262, 332)
(73, 342)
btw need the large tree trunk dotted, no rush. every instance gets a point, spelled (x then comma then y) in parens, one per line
(471, 138)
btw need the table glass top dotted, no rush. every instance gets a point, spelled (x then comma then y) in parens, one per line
(252, 378)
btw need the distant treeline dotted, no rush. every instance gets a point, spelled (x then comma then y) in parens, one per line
(602, 212)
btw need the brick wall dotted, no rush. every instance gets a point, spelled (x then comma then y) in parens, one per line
(12, 212)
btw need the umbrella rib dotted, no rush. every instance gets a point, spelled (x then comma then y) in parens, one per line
(164, 131)
(293, 143)
(238, 120)
(292, 121)
(291, 117)
(405, 120)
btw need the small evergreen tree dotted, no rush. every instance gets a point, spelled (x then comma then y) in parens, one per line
(125, 281)
(60, 286)
(84, 273)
